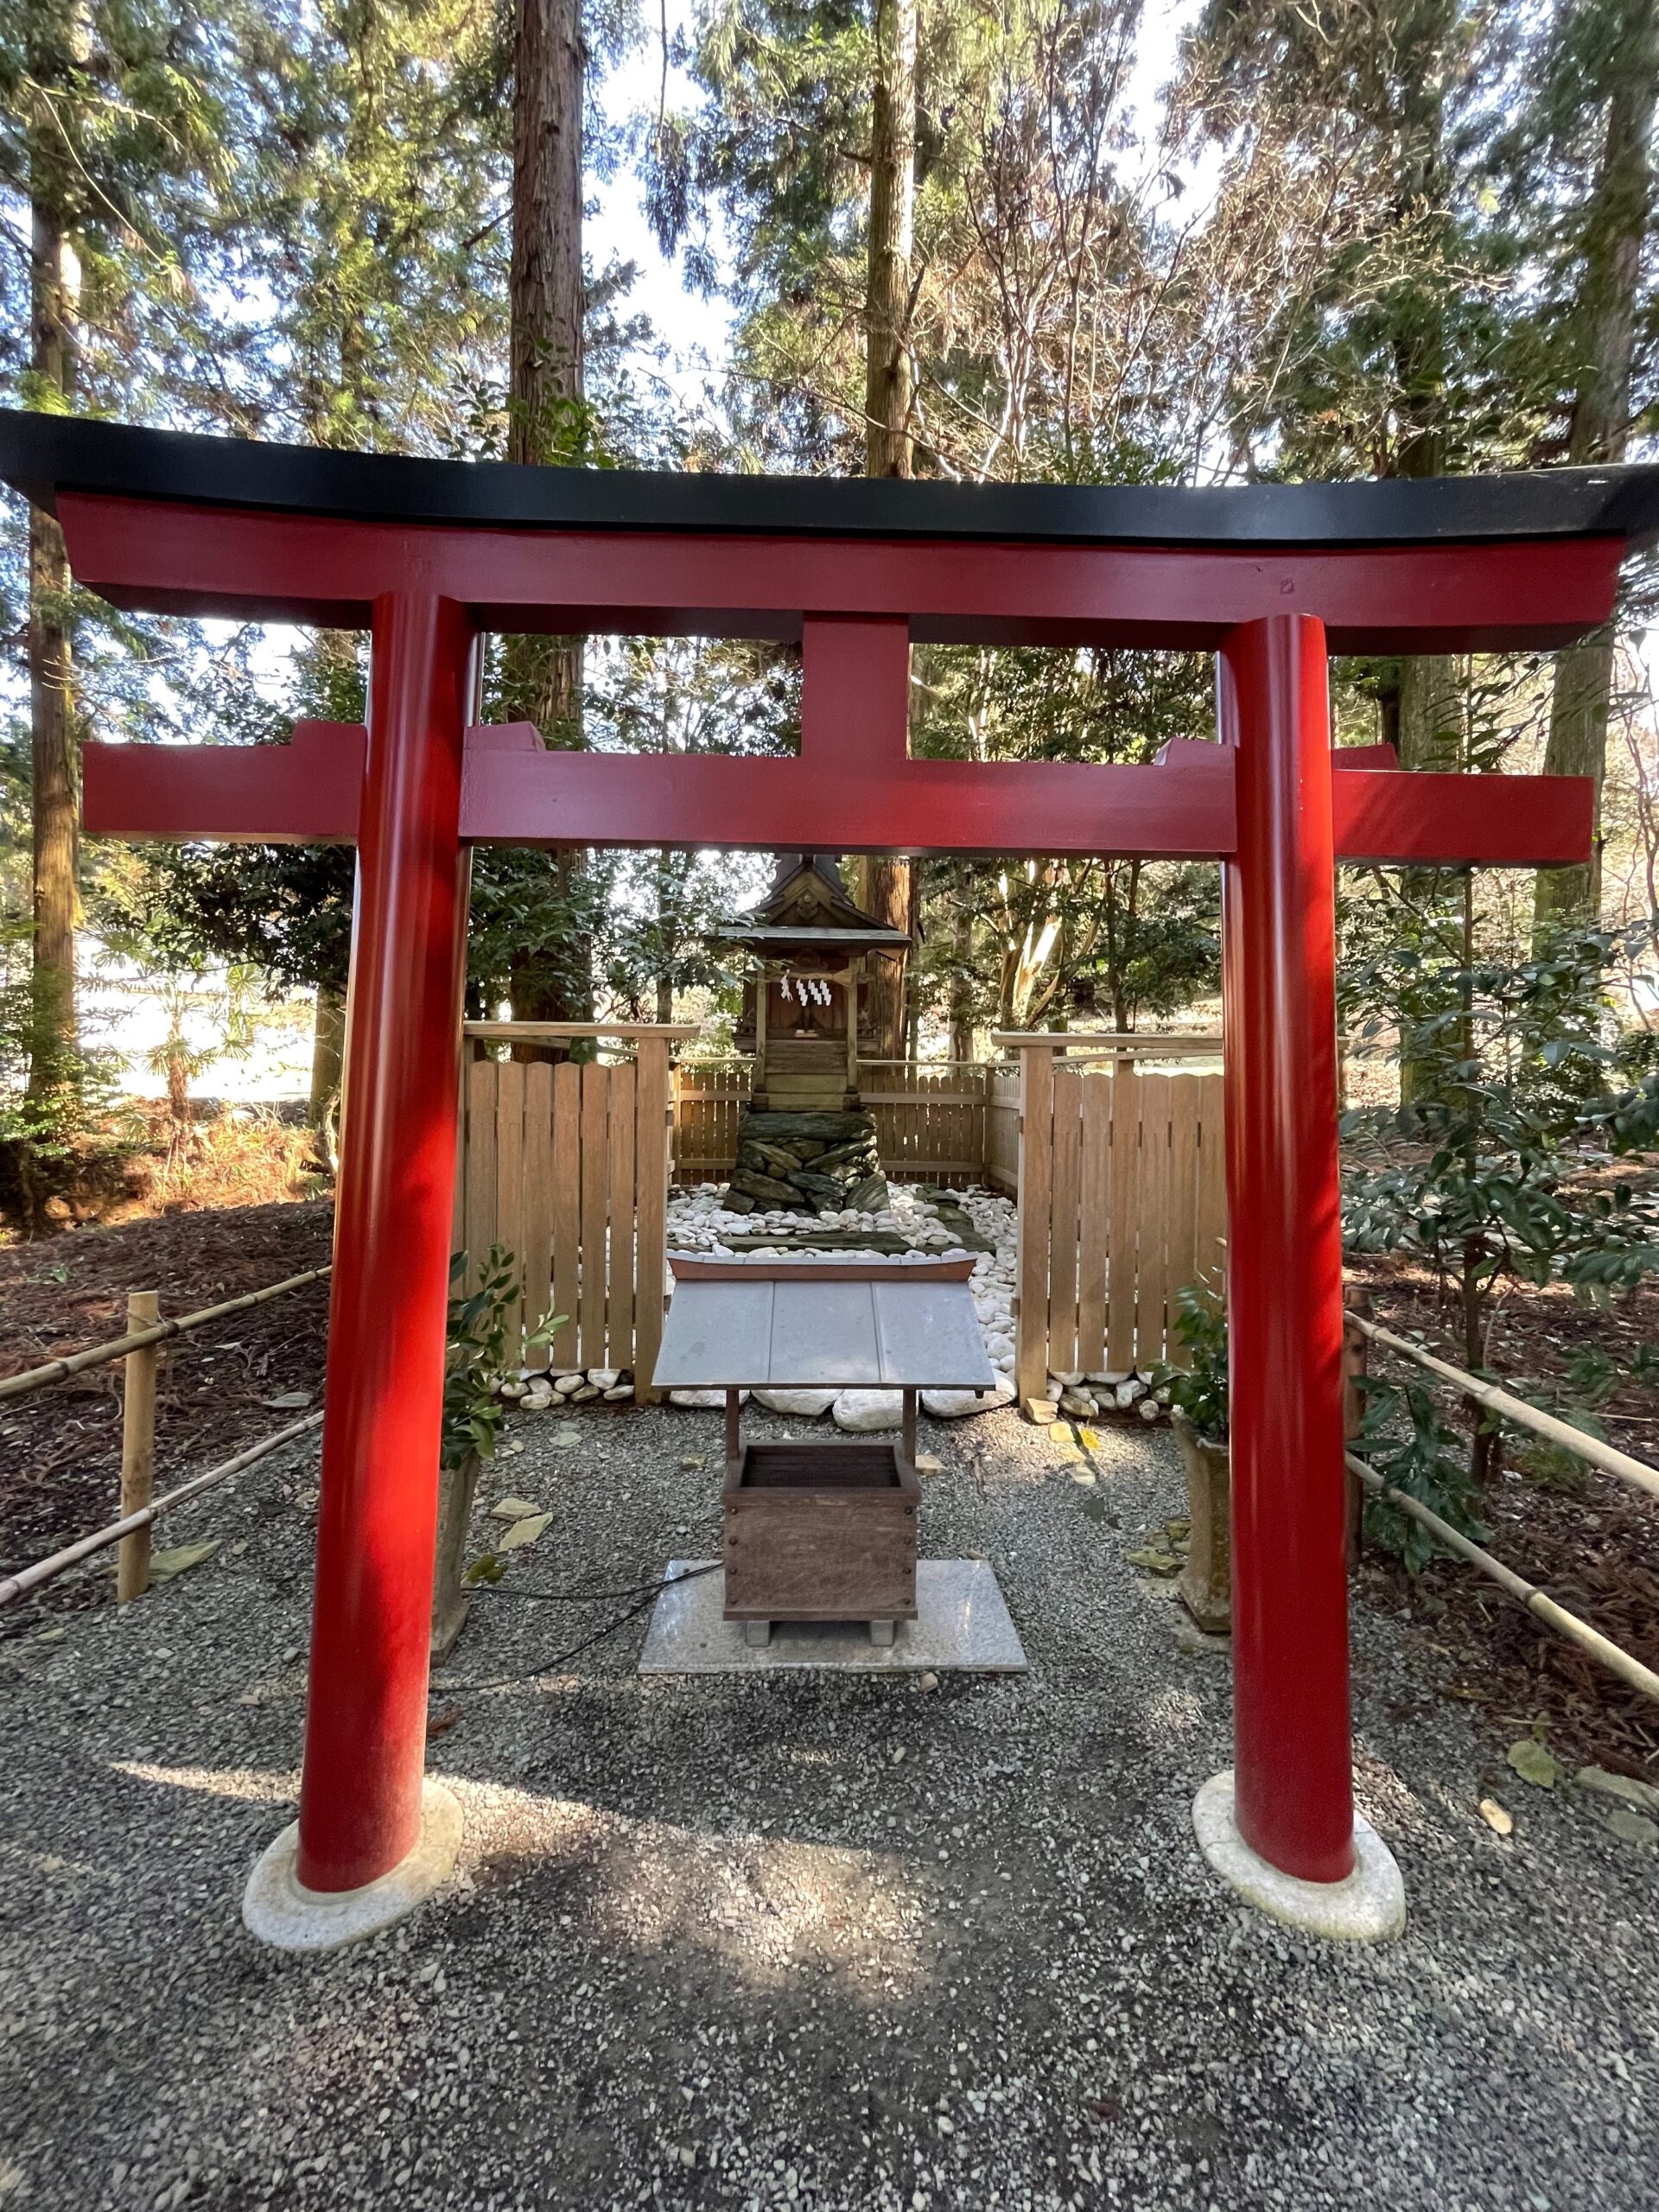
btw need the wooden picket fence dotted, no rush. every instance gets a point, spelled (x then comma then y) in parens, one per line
(1002, 1127)
(568, 1166)
(1118, 1167)
(930, 1118)
(709, 1096)
(1123, 1200)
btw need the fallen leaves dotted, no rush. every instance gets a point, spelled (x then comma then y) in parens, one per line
(1534, 1762)
(525, 1532)
(1631, 1826)
(165, 1565)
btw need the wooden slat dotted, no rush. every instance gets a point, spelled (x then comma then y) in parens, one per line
(567, 1206)
(618, 1306)
(1122, 1210)
(650, 1209)
(1094, 1215)
(510, 1179)
(1211, 1255)
(1152, 1274)
(1064, 1207)
(535, 1259)
(481, 1166)
(1183, 1186)
(1036, 1188)
(590, 1306)
(458, 1210)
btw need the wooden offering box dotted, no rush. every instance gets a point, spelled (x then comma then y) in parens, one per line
(816, 1531)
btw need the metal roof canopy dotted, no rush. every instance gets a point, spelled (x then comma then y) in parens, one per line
(818, 1323)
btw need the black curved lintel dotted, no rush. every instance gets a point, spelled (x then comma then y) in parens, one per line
(43, 455)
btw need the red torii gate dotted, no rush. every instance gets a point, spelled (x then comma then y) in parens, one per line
(428, 554)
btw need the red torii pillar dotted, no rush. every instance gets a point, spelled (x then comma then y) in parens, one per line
(360, 1813)
(1293, 1804)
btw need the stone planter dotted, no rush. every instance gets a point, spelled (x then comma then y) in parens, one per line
(1205, 1583)
(457, 1487)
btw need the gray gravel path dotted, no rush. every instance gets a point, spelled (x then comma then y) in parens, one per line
(827, 1943)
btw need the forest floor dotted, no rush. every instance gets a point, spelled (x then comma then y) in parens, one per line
(879, 1943)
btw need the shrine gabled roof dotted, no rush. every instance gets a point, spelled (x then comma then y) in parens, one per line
(808, 905)
(44, 454)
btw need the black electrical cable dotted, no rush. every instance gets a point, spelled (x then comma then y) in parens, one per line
(547, 1666)
(579, 1597)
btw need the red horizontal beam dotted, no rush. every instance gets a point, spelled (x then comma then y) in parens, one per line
(524, 797)
(515, 793)
(1462, 821)
(210, 561)
(305, 792)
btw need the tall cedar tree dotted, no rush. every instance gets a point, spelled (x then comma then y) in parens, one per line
(1602, 71)
(547, 422)
(105, 124)
(885, 885)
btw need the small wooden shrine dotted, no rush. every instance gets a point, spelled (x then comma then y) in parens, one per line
(806, 1141)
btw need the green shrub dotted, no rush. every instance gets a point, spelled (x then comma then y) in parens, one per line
(1198, 1389)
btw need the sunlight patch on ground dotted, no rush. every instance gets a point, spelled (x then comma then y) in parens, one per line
(248, 1784)
(764, 1908)
(1175, 1714)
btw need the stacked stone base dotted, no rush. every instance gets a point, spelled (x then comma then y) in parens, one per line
(810, 1163)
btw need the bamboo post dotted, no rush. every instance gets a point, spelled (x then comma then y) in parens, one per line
(138, 1447)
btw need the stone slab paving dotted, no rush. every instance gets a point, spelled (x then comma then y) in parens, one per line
(789, 1939)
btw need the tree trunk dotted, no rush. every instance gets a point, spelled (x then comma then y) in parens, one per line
(55, 306)
(887, 449)
(546, 419)
(1431, 712)
(962, 983)
(328, 1052)
(667, 937)
(892, 199)
(1615, 224)
(884, 892)
(328, 1068)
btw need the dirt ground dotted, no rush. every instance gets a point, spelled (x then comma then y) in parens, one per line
(830, 1944)
(1589, 1540)
(60, 1448)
